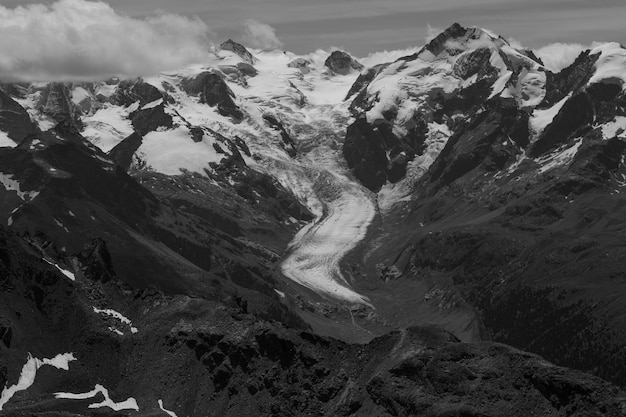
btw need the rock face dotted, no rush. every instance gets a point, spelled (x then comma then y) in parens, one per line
(376, 155)
(14, 120)
(301, 64)
(342, 63)
(150, 114)
(123, 152)
(239, 49)
(55, 101)
(213, 91)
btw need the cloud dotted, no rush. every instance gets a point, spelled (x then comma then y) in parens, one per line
(557, 56)
(259, 35)
(431, 32)
(78, 40)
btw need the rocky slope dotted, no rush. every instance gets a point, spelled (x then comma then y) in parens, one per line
(151, 354)
(518, 210)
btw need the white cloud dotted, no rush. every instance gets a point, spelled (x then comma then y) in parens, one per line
(259, 35)
(73, 40)
(557, 56)
(432, 32)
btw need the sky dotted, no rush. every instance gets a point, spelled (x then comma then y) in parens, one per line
(364, 26)
(180, 28)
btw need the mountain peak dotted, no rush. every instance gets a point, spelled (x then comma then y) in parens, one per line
(239, 49)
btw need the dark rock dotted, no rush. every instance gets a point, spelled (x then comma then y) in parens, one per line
(439, 44)
(361, 83)
(56, 102)
(6, 334)
(474, 63)
(124, 151)
(342, 63)
(129, 92)
(15, 120)
(576, 113)
(376, 155)
(149, 120)
(96, 261)
(239, 49)
(480, 142)
(301, 64)
(288, 142)
(247, 69)
(570, 80)
(364, 151)
(213, 91)
(197, 133)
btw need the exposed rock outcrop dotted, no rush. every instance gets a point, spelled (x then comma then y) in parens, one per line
(342, 63)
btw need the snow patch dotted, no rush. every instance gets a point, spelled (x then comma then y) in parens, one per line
(65, 272)
(129, 404)
(79, 94)
(11, 184)
(152, 104)
(170, 413)
(617, 127)
(610, 64)
(542, 118)
(118, 316)
(29, 373)
(108, 126)
(561, 157)
(6, 141)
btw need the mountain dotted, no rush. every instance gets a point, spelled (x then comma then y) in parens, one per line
(274, 234)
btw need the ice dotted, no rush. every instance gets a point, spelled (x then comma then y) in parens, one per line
(540, 119)
(616, 127)
(29, 373)
(79, 94)
(170, 413)
(152, 104)
(5, 141)
(118, 316)
(129, 404)
(65, 272)
(169, 151)
(611, 65)
(343, 211)
(108, 126)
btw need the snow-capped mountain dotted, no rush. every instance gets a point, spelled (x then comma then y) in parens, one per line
(191, 243)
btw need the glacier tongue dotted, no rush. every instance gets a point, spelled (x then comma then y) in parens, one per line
(343, 211)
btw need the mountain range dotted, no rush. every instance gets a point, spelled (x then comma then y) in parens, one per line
(437, 232)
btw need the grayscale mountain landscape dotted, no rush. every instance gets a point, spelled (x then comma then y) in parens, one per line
(240, 230)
